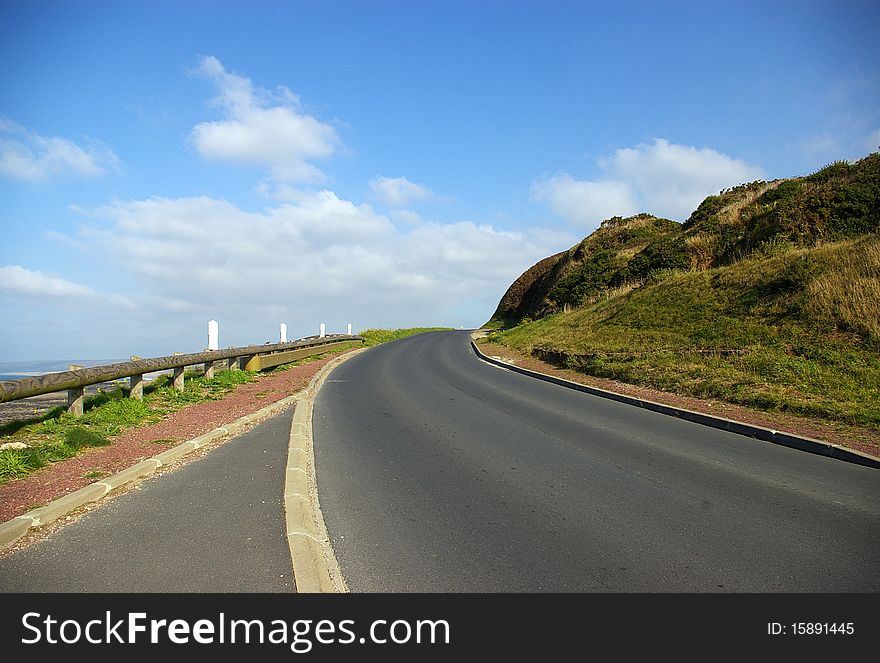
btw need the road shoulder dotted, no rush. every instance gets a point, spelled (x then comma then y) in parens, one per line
(315, 568)
(725, 416)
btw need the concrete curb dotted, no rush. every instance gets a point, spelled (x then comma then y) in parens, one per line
(776, 437)
(12, 530)
(315, 568)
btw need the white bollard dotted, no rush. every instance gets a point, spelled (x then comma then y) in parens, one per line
(213, 335)
(283, 332)
(349, 329)
(323, 330)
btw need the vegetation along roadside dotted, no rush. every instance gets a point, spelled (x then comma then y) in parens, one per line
(56, 435)
(767, 297)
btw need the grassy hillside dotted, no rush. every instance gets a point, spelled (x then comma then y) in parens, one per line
(839, 202)
(768, 296)
(602, 260)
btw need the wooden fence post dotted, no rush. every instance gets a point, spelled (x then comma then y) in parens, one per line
(75, 399)
(136, 387)
(178, 377)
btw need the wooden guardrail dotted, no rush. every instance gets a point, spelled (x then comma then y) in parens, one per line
(75, 381)
(262, 362)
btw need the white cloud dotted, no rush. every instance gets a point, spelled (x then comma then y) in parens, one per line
(30, 157)
(398, 191)
(22, 282)
(262, 128)
(585, 203)
(661, 178)
(406, 216)
(16, 279)
(315, 256)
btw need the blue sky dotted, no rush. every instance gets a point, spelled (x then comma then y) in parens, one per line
(378, 163)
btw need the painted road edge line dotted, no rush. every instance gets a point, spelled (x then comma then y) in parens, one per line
(767, 435)
(14, 529)
(315, 568)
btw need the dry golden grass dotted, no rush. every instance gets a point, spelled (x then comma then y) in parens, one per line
(851, 291)
(700, 250)
(621, 290)
(731, 213)
(628, 225)
(631, 251)
(764, 332)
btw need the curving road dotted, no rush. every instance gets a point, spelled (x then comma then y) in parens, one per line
(438, 472)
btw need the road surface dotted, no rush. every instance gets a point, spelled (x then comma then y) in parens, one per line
(215, 524)
(438, 472)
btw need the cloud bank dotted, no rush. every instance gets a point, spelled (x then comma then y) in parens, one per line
(15, 279)
(398, 191)
(19, 281)
(29, 157)
(262, 128)
(305, 261)
(661, 178)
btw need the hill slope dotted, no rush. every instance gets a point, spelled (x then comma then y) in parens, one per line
(767, 296)
(839, 202)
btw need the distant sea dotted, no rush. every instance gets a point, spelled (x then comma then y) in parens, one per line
(15, 370)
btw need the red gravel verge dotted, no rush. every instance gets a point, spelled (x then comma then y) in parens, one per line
(134, 445)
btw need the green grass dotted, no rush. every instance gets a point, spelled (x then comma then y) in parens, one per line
(16, 463)
(758, 333)
(58, 435)
(838, 203)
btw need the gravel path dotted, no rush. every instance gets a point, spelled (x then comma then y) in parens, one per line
(58, 479)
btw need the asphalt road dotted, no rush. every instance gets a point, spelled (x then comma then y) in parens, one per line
(215, 524)
(438, 472)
